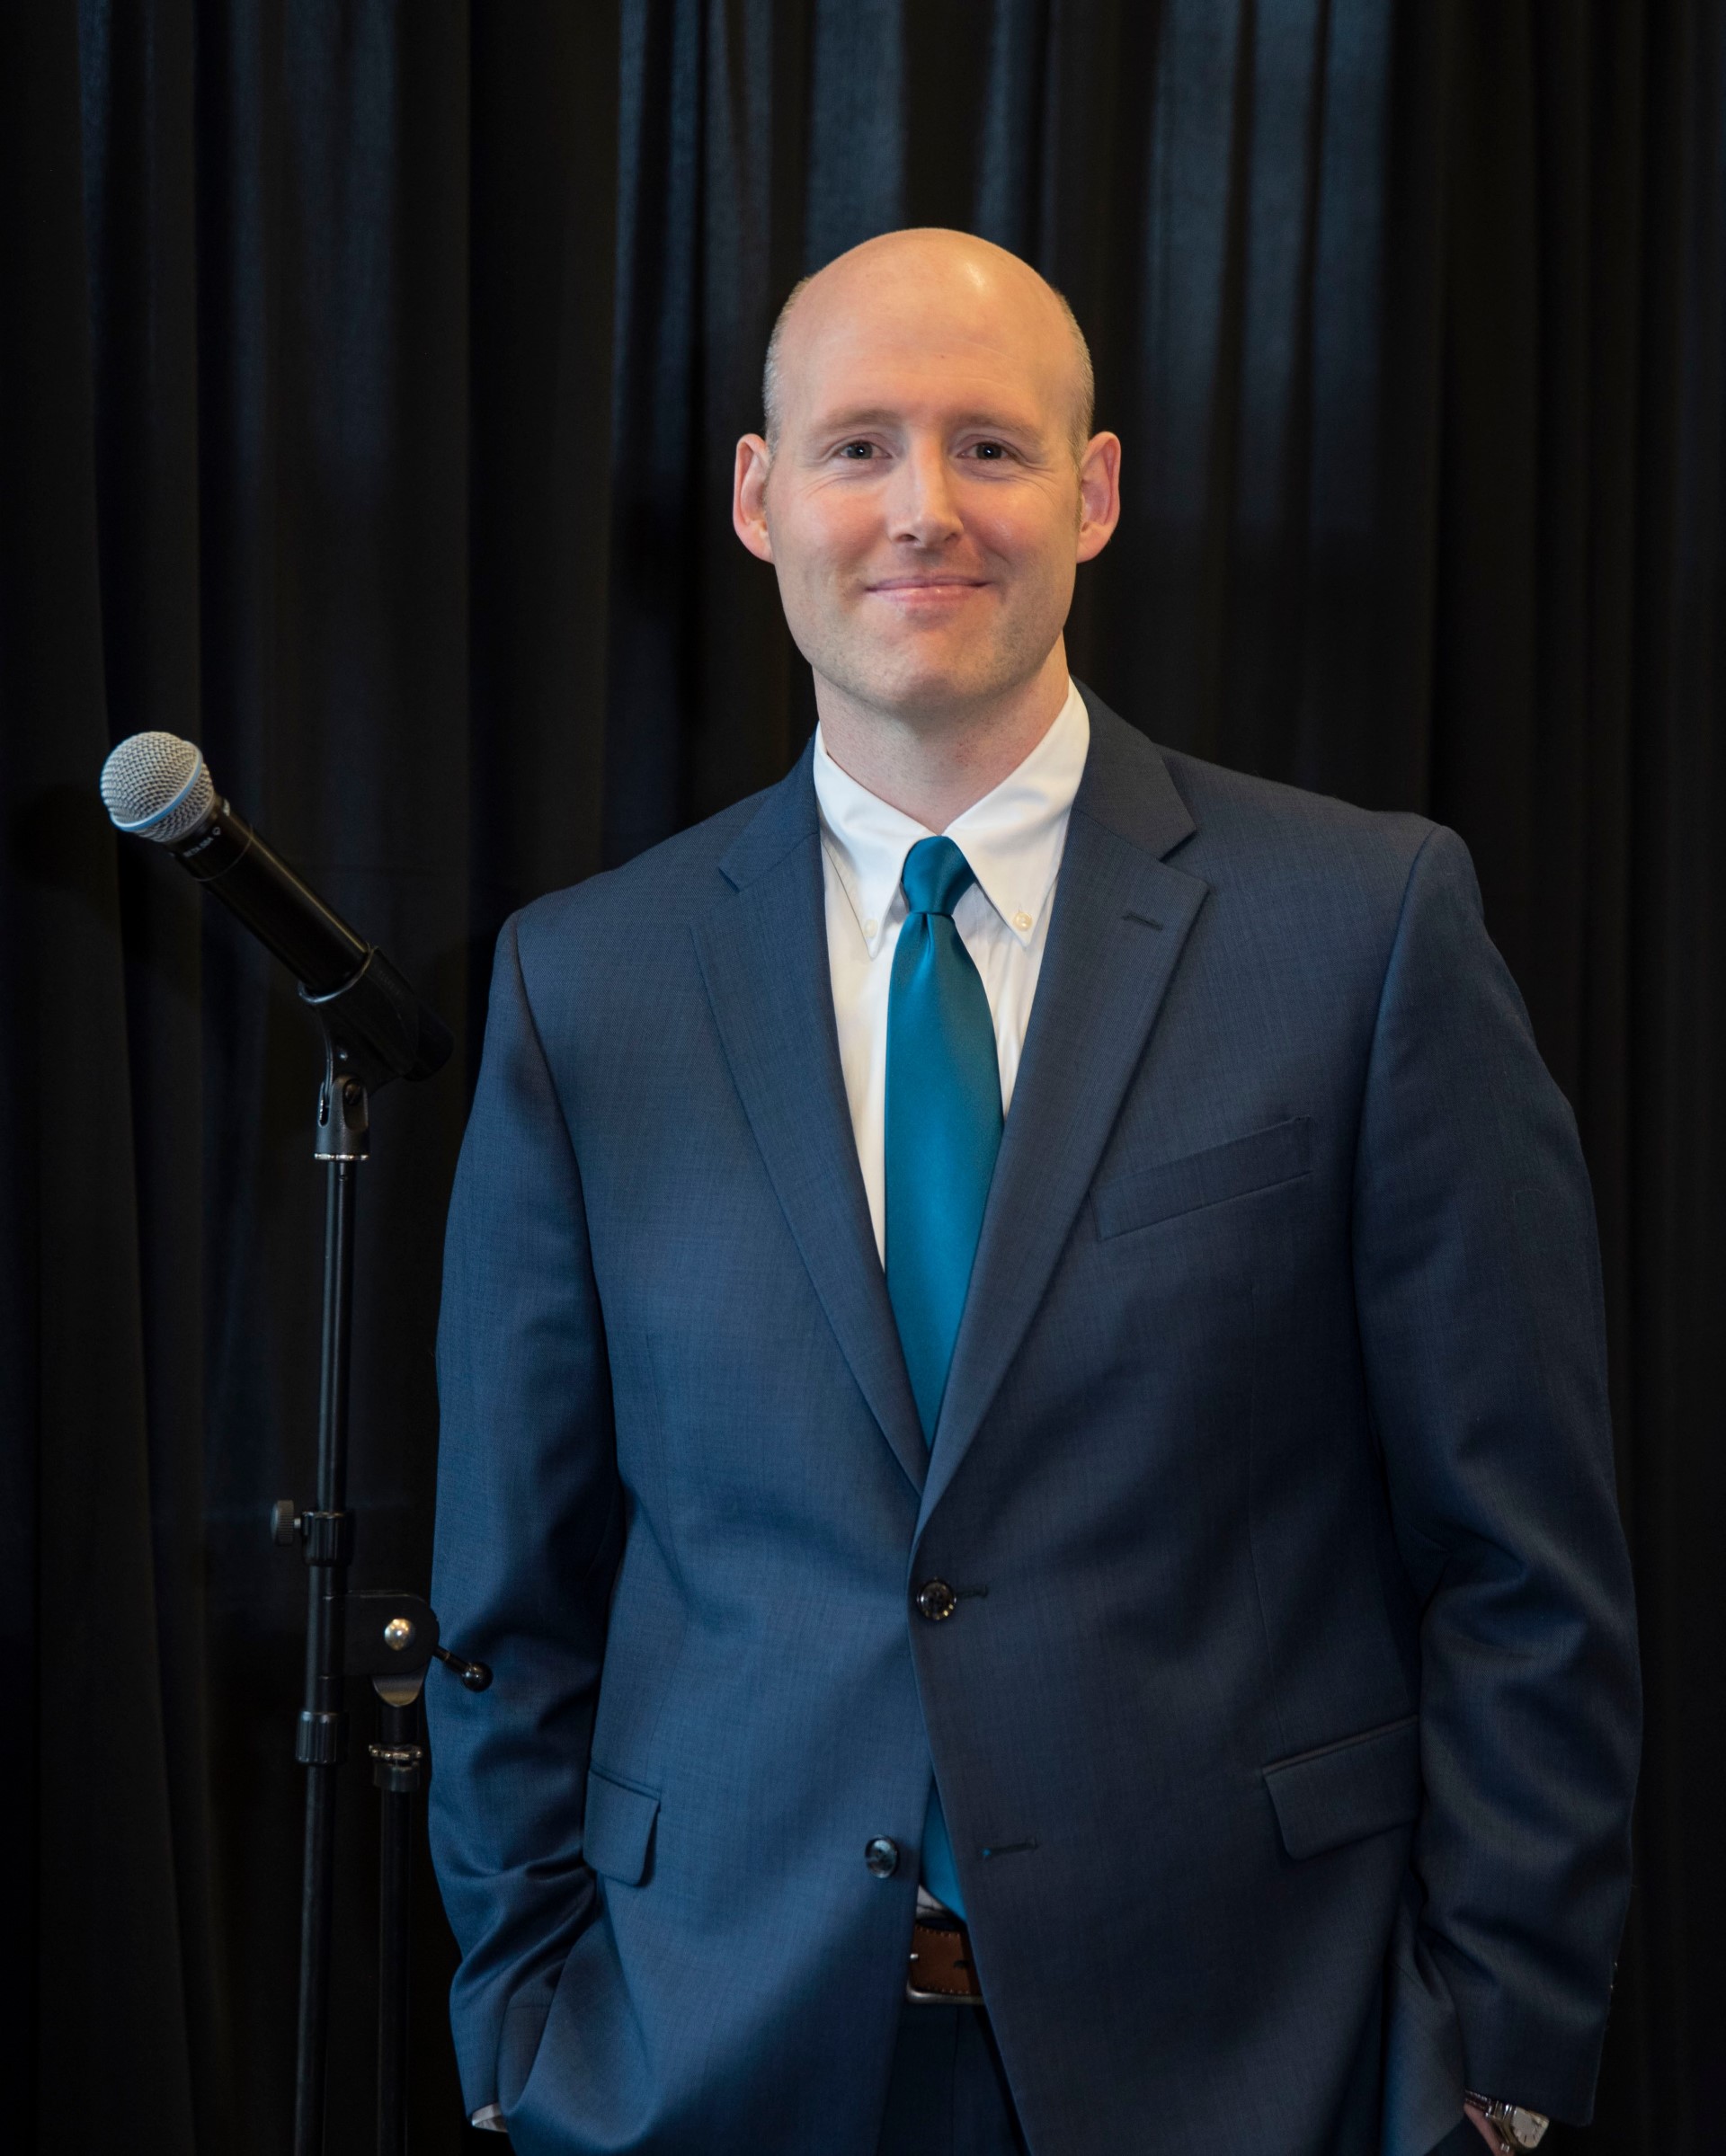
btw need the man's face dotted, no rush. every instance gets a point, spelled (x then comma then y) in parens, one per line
(924, 507)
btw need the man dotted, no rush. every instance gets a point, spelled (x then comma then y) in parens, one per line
(1024, 1427)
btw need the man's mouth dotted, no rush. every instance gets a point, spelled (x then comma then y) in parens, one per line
(914, 579)
(921, 589)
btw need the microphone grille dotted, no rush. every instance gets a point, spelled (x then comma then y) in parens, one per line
(158, 786)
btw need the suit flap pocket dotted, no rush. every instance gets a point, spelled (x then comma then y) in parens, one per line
(617, 1831)
(1145, 1196)
(1346, 1791)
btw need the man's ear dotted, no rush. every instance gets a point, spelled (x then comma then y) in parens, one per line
(749, 496)
(1099, 495)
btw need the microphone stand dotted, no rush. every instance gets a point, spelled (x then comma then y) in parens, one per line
(375, 1028)
(394, 1648)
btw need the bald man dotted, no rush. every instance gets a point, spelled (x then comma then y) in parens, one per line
(1024, 1426)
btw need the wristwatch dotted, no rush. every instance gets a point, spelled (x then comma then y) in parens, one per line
(1516, 2128)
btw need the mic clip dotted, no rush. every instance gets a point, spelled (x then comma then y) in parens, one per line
(377, 1027)
(343, 1105)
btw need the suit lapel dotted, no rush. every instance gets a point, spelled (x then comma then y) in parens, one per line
(763, 955)
(1121, 918)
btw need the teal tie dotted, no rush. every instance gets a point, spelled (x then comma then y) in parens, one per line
(943, 1131)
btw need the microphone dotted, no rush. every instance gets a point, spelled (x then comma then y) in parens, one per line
(158, 788)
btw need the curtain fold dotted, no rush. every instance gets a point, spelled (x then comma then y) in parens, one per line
(368, 380)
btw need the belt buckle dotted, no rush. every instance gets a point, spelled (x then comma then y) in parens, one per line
(925, 1949)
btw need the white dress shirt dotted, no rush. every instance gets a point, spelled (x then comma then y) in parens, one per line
(1013, 838)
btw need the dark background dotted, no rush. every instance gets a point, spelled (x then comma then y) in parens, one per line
(369, 376)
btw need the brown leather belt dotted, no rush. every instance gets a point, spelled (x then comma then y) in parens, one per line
(941, 1972)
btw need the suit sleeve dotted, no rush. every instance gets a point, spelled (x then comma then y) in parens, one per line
(528, 1524)
(1478, 1284)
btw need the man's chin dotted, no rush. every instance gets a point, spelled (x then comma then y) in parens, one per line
(918, 684)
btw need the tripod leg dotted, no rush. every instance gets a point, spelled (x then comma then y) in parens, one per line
(322, 1737)
(397, 1758)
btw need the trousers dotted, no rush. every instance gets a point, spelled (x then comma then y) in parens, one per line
(947, 2094)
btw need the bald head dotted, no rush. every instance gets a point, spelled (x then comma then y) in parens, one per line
(927, 490)
(928, 276)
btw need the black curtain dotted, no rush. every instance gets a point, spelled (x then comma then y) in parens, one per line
(368, 375)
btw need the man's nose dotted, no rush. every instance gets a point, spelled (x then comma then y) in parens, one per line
(923, 510)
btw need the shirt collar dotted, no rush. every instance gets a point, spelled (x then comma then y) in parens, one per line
(1012, 838)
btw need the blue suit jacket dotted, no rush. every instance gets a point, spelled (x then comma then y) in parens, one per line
(1286, 1725)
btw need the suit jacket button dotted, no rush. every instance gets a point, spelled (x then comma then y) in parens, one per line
(882, 1856)
(935, 1599)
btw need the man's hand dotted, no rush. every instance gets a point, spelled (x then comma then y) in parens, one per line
(1488, 2134)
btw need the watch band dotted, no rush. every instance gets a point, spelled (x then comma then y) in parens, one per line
(1515, 2125)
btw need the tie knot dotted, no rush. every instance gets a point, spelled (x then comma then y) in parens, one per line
(936, 876)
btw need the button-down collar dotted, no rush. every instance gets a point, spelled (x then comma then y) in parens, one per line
(1013, 838)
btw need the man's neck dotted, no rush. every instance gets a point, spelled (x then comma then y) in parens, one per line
(932, 766)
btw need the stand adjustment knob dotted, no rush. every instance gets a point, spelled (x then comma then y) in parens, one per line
(284, 1524)
(321, 1739)
(475, 1675)
(328, 1537)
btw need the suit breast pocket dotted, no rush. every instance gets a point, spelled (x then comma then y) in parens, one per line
(1260, 1161)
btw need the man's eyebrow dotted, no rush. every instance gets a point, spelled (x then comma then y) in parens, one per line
(885, 415)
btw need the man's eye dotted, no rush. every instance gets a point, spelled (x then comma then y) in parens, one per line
(859, 452)
(990, 452)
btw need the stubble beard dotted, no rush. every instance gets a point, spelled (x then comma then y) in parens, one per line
(896, 680)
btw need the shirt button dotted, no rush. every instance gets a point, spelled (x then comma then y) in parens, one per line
(882, 1856)
(935, 1599)
(870, 928)
(1021, 921)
